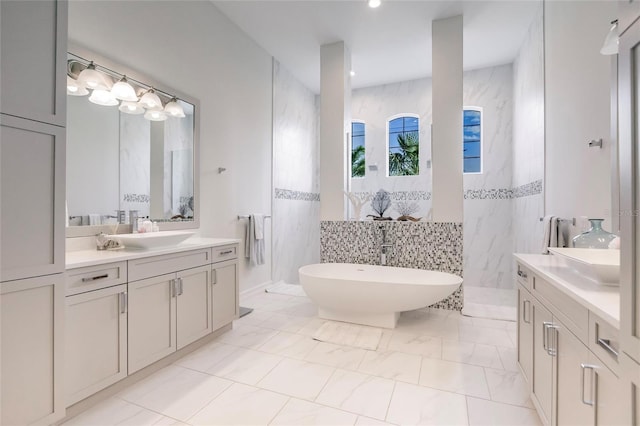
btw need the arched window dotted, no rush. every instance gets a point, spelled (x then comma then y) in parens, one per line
(357, 148)
(472, 140)
(403, 145)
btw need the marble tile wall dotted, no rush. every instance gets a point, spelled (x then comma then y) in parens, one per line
(296, 207)
(423, 245)
(135, 163)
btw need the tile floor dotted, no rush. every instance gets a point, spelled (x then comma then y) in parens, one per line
(435, 368)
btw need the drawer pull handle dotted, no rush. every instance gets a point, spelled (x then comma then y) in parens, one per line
(522, 274)
(97, 277)
(526, 313)
(222, 253)
(606, 345)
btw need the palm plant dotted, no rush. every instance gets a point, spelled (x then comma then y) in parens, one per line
(357, 162)
(405, 162)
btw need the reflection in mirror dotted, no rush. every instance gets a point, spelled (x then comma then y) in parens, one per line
(127, 156)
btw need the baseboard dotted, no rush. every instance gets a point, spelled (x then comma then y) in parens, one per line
(256, 290)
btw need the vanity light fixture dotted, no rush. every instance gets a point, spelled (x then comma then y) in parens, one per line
(151, 101)
(74, 89)
(129, 107)
(103, 97)
(374, 3)
(174, 109)
(155, 115)
(124, 91)
(610, 45)
(91, 78)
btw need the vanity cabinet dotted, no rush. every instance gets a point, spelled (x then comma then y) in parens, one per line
(167, 312)
(31, 353)
(225, 293)
(569, 383)
(96, 341)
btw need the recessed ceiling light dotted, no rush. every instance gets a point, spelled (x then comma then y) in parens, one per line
(352, 73)
(374, 3)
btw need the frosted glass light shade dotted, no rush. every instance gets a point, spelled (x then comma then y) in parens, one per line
(124, 91)
(610, 45)
(155, 115)
(92, 79)
(129, 107)
(151, 101)
(174, 109)
(374, 3)
(103, 97)
(74, 89)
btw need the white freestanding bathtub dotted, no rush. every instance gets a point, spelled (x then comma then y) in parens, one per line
(372, 294)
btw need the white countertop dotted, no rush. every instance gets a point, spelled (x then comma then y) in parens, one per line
(603, 301)
(82, 258)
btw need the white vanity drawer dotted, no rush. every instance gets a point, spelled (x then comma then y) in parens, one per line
(524, 276)
(95, 277)
(571, 313)
(604, 342)
(140, 269)
(219, 254)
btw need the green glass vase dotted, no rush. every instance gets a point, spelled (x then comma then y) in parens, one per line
(595, 237)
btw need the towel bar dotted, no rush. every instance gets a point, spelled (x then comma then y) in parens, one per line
(246, 216)
(572, 220)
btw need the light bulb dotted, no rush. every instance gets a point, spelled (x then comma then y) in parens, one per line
(124, 91)
(155, 115)
(129, 107)
(374, 3)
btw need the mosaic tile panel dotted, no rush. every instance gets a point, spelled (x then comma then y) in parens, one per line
(288, 194)
(488, 194)
(423, 245)
(136, 198)
(531, 188)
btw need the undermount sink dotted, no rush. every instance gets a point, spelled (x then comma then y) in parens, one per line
(152, 240)
(599, 265)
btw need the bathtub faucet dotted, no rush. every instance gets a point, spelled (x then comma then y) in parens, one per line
(384, 247)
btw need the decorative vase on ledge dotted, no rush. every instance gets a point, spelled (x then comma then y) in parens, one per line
(595, 237)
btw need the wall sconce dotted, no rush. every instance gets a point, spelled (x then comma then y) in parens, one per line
(610, 45)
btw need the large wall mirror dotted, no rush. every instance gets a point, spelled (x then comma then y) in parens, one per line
(128, 157)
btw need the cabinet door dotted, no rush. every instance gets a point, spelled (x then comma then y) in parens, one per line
(152, 321)
(225, 293)
(33, 37)
(629, 110)
(95, 341)
(31, 354)
(629, 390)
(542, 384)
(609, 407)
(572, 394)
(32, 182)
(525, 334)
(194, 305)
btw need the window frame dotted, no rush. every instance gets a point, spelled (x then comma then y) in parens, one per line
(481, 111)
(389, 120)
(350, 163)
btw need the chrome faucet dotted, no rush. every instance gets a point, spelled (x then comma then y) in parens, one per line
(384, 247)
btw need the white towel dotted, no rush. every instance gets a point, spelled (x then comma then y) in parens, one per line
(258, 223)
(94, 219)
(555, 233)
(253, 248)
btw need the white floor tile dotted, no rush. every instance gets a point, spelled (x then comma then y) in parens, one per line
(485, 336)
(414, 344)
(357, 393)
(247, 336)
(392, 365)
(300, 413)
(337, 356)
(508, 387)
(241, 405)
(509, 358)
(489, 413)
(454, 377)
(471, 353)
(289, 344)
(295, 324)
(245, 366)
(416, 405)
(366, 421)
(311, 327)
(175, 391)
(297, 378)
(115, 411)
(206, 357)
(353, 335)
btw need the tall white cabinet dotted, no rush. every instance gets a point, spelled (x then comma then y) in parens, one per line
(33, 39)
(629, 149)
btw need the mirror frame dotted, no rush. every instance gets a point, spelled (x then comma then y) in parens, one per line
(86, 231)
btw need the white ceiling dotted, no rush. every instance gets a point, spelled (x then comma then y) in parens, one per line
(388, 44)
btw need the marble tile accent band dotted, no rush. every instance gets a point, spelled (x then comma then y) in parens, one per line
(288, 194)
(423, 245)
